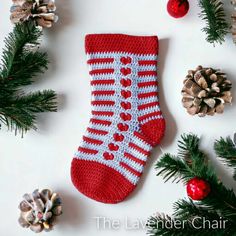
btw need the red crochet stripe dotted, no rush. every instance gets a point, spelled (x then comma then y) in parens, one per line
(131, 157)
(142, 137)
(147, 95)
(97, 131)
(121, 43)
(147, 84)
(147, 105)
(156, 113)
(133, 171)
(102, 113)
(103, 92)
(101, 71)
(147, 63)
(139, 149)
(103, 82)
(100, 60)
(87, 150)
(93, 141)
(100, 122)
(147, 73)
(103, 103)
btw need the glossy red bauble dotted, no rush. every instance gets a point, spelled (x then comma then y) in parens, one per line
(198, 189)
(178, 8)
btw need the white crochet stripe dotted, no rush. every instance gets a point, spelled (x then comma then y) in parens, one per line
(95, 136)
(137, 154)
(102, 87)
(90, 145)
(133, 164)
(131, 177)
(117, 56)
(148, 89)
(100, 127)
(104, 108)
(148, 100)
(147, 68)
(142, 144)
(151, 118)
(147, 79)
(103, 98)
(108, 118)
(98, 66)
(102, 76)
(149, 110)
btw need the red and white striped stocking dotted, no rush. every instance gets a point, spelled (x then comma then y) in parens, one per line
(126, 119)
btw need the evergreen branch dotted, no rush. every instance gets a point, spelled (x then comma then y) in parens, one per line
(20, 114)
(171, 167)
(23, 34)
(212, 12)
(184, 209)
(29, 65)
(226, 150)
(222, 200)
(191, 162)
(219, 205)
(21, 62)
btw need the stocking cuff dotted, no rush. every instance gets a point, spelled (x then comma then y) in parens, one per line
(102, 43)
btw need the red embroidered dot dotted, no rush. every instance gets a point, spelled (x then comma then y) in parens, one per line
(125, 71)
(125, 117)
(126, 82)
(126, 60)
(113, 147)
(118, 137)
(123, 127)
(108, 156)
(126, 94)
(126, 105)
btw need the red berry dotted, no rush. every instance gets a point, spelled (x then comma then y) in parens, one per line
(178, 8)
(198, 189)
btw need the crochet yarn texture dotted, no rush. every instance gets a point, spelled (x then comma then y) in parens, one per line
(126, 118)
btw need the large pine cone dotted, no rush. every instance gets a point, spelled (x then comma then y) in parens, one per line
(42, 12)
(233, 28)
(39, 210)
(206, 91)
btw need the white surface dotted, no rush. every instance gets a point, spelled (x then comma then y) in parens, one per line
(42, 159)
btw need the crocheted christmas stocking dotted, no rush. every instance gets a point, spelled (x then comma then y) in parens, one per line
(126, 119)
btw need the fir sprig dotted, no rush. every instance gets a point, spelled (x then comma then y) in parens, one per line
(21, 62)
(220, 204)
(212, 12)
(226, 150)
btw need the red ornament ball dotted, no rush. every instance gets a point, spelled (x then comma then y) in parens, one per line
(198, 189)
(178, 8)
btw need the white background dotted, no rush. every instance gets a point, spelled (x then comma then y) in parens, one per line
(42, 159)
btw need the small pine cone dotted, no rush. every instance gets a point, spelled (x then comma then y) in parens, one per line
(206, 91)
(42, 12)
(233, 27)
(39, 210)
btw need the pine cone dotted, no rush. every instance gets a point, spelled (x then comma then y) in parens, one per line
(42, 12)
(206, 91)
(233, 28)
(39, 210)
